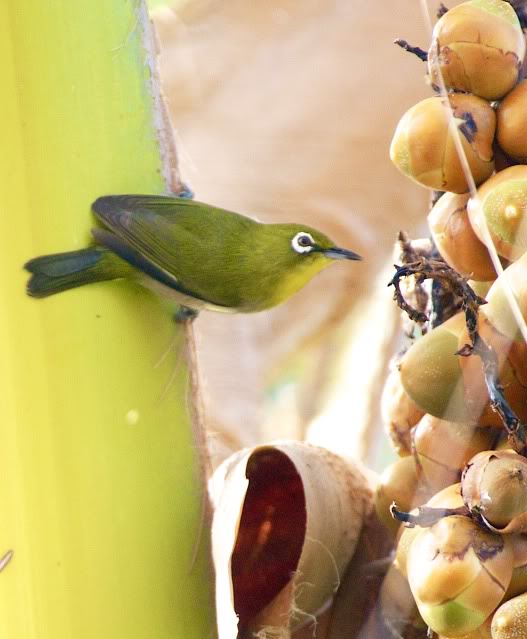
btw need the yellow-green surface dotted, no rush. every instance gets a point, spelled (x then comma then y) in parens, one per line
(99, 495)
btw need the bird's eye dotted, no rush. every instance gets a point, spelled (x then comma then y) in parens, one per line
(302, 242)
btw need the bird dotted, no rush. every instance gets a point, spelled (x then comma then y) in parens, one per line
(198, 255)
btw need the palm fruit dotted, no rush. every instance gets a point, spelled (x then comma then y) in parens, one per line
(478, 47)
(483, 632)
(431, 372)
(456, 240)
(399, 413)
(510, 619)
(399, 483)
(443, 448)
(398, 608)
(494, 485)
(511, 123)
(449, 497)
(498, 309)
(424, 148)
(512, 366)
(458, 573)
(501, 206)
(518, 584)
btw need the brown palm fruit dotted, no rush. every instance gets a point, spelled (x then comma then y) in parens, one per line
(458, 573)
(478, 47)
(399, 413)
(398, 608)
(510, 619)
(399, 483)
(443, 448)
(424, 148)
(498, 309)
(431, 372)
(501, 207)
(512, 366)
(494, 485)
(449, 497)
(511, 123)
(456, 240)
(518, 584)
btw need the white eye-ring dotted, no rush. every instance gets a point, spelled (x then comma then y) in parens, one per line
(302, 242)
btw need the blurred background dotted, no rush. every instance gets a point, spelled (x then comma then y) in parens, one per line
(284, 110)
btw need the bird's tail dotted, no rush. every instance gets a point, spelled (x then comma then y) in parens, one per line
(52, 274)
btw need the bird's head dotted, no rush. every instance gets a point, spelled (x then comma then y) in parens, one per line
(310, 243)
(294, 254)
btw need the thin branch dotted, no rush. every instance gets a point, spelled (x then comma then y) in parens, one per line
(420, 53)
(426, 516)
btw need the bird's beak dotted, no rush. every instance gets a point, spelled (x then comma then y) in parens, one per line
(336, 253)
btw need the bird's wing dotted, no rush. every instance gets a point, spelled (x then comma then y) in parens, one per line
(149, 224)
(147, 232)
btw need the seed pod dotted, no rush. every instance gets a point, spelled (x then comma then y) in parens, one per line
(510, 619)
(512, 366)
(511, 123)
(399, 413)
(498, 309)
(399, 483)
(423, 147)
(494, 484)
(443, 448)
(431, 372)
(449, 497)
(478, 47)
(455, 239)
(502, 203)
(397, 605)
(458, 574)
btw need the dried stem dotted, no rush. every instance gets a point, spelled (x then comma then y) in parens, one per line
(436, 269)
(425, 268)
(426, 516)
(420, 53)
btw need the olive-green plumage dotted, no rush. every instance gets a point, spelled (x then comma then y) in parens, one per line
(201, 256)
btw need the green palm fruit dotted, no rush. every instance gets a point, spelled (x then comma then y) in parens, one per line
(494, 484)
(501, 205)
(478, 47)
(424, 148)
(458, 574)
(456, 240)
(431, 372)
(200, 256)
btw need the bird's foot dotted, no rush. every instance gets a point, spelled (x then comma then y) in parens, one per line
(185, 314)
(186, 192)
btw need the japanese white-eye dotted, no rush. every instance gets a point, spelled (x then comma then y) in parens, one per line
(201, 256)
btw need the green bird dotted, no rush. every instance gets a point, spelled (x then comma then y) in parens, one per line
(200, 256)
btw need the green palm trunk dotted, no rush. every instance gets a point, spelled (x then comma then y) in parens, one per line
(100, 498)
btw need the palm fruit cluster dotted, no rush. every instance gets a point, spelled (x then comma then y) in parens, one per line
(459, 484)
